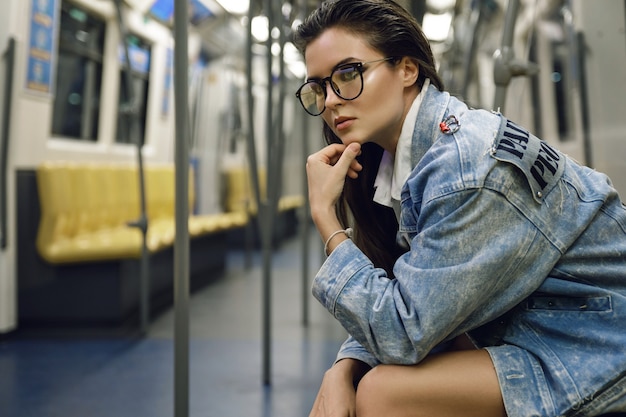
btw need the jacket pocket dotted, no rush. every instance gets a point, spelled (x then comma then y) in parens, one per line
(559, 303)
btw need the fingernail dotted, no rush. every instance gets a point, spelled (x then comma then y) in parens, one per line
(354, 147)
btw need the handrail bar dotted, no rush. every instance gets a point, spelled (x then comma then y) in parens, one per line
(141, 223)
(4, 140)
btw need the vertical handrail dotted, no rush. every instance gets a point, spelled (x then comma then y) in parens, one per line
(4, 141)
(275, 161)
(252, 154)
(469, 57)
(132, 111)
(266, 215)
(264, 220)
(305, 226)
(505, 64)
(251, 140)
(181, 244)
(418, 9)
(584, 99)
(505, 56)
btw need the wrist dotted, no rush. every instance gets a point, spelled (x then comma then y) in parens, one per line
(341, 232)
(350, 370)
(321, 215)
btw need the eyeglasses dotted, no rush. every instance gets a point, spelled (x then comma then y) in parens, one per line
(346, 80)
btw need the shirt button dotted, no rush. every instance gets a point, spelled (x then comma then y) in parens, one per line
(539, 194)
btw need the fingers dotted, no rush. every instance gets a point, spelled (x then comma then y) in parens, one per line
(348, 160)
(327, 170)
(354, 169)
(341, 156)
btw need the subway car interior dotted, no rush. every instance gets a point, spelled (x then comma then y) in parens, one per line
(156, 246)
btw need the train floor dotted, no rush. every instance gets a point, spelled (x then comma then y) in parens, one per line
(131, 376)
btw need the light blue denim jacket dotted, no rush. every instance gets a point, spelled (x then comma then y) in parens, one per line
(510, 242)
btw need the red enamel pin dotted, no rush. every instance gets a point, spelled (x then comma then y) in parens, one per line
(449, 125)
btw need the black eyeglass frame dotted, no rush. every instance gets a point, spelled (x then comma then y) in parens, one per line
(359, 66)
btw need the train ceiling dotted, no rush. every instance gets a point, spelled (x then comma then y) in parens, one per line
(219, 22)
(202, 11)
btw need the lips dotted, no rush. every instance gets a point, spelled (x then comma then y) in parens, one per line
(343, 122)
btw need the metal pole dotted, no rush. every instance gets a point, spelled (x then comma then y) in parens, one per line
(251, 148)
(305, 226)
(181, 244)
(276, 152)
(132, 111)
(4, 140)
(278, 159)
(505, 65)
(584, 98)
(252, 156)
(264, 216)
(418, 9)
(267, 224)
(504, 56)
(469, 57)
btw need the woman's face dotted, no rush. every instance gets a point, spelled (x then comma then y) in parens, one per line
(378, 113)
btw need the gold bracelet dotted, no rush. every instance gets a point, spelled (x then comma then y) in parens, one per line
(347, 232)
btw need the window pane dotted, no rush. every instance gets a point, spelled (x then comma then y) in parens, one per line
(79, 74)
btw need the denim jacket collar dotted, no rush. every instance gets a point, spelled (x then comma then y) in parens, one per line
(393, 170)
(431, 113)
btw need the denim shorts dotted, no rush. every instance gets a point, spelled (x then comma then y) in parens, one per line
(527, 392)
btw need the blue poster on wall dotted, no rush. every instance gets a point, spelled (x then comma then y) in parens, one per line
(163, 10)
(169, 72)
(139, 58)
(42, 46)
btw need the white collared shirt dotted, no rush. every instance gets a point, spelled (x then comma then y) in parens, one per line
(393, 172)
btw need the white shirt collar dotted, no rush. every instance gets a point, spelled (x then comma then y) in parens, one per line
(393, 172)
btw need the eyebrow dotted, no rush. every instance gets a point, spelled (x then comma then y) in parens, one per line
(344, 61)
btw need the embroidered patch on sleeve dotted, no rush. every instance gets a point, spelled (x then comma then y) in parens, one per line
(541, 164)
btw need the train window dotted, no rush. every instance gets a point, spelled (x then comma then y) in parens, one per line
(79, 74)
(139, 56)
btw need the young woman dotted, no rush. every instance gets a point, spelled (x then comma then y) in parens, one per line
(467, 228)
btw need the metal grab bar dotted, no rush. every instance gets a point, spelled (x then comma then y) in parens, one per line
(142, 223)
(505, 64)
(181, 245)
(4, 140)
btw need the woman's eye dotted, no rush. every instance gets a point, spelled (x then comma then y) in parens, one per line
(347, 74)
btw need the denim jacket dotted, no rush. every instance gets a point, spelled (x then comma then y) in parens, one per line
(509, 241)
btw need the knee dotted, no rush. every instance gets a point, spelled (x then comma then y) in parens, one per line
(373, 396)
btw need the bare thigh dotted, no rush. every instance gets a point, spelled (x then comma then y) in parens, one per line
(457, 384)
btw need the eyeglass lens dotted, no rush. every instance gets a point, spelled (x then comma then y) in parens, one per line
(346, 82)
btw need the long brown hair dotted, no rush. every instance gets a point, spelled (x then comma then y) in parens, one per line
(393, 31)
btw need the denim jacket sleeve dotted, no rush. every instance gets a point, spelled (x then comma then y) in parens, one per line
(460, 273)
(351, 348)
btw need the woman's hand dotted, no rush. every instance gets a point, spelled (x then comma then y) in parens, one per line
(327, 171)
(337, 395)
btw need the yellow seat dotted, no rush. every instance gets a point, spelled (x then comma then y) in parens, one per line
(240, 196)
(77, 216)
(86, 209)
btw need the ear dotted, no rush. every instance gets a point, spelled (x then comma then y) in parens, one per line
(409, 71)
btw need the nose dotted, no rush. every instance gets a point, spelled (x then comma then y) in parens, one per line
(332, 99)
